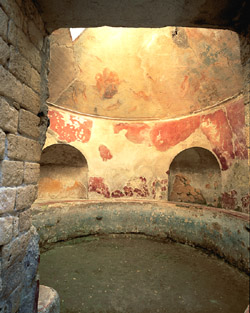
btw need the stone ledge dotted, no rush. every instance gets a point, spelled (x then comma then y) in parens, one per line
(212, 229)
(48, 301)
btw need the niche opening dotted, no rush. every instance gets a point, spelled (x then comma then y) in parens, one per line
(64, 173)
(195, 177)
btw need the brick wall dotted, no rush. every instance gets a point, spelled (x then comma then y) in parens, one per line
(23, 57)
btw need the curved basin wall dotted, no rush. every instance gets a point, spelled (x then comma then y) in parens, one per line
(222, 232)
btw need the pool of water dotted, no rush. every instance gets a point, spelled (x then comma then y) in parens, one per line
(135, 274)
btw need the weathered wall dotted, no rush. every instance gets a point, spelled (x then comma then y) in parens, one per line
(144, 73)
(23, 54)
(132, 159)
(168, 72)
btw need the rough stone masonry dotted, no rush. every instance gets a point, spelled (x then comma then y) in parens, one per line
(23, 57)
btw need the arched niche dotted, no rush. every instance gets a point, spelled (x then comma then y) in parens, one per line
(195, 177)
(64, 173)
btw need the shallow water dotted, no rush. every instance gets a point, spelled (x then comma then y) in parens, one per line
(134, 274)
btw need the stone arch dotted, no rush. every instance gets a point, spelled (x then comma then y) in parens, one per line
(63, 174)
(195, 177)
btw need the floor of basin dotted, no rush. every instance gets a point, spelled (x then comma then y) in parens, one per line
(134, 274)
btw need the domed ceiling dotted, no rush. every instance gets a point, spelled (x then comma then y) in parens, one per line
(143, 73)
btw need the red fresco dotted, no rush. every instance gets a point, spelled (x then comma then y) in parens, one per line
(168, 134)
(136, 132)
(238, 127)
(107, 83)
(117, 194)
(128, 191)
(161, 185)
(76, 129)
(96, 184)
(105, 153)
(216, 128)
(224, 131)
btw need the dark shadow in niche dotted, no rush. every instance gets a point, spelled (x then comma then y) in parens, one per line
(63, 173)
(195, 177)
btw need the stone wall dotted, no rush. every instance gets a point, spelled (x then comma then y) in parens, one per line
(23, 56)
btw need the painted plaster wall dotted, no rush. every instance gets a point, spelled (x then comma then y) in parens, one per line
(144, 73)
(132, 159)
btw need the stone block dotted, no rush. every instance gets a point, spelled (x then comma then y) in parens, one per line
(14, 299)
(2, 144)
(8, 116)
(19, 66)
(31, 173)
(28, 124)
(12, 34)
(13, 11)
(23, 149)
(25, 196)
(15, 226)
(10, 86)
(30, 100)
(35, 35)
(12, 173)
(31, 259)
(7, 199)
(15, 250)
(6, 230)
(4, 51)
(5, 306)
(35, 80)
(12, 278)
(33, 13)
(29, 298)
(24, 221)
(3, 24)
(48, 301)
(18, 39)
(22, 69)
